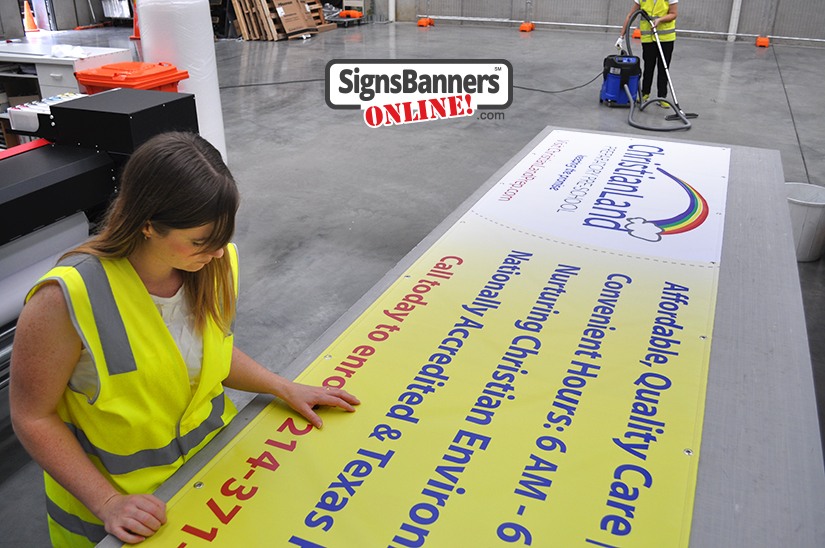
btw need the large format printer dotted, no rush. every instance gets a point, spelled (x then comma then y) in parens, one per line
(55, 189)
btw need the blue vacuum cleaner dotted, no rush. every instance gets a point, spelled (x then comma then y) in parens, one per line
(620, 71)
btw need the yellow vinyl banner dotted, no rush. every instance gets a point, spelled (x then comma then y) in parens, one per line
(536, 378)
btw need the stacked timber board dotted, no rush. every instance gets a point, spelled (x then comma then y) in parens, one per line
(279, 19)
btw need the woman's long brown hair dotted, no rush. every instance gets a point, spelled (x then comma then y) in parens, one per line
(177, 181)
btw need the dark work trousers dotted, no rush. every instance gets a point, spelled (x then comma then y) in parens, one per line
(652, 60)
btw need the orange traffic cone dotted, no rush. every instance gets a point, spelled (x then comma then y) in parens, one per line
(28, 19)
(135, 28)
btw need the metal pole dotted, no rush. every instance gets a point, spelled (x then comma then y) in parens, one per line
(734, 20)
(426, 21)
(528, 25)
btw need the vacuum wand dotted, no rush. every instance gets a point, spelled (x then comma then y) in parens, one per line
(667, 73)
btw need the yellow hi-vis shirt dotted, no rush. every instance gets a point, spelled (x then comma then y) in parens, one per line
(144, 421)
(657, 8)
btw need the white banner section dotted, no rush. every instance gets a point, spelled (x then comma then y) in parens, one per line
(638, 196)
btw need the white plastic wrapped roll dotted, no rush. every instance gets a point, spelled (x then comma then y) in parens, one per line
(180, 32)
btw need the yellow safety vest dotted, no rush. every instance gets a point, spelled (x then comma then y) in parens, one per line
(145, 421)
(657, 8)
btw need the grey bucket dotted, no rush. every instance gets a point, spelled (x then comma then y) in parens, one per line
(807, 208)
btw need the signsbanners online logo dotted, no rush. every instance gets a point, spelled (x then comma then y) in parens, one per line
(404, 91)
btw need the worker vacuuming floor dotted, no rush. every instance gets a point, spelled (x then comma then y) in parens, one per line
(658, 36)
(661, 17)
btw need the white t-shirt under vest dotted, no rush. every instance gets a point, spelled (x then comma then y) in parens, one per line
(179, 321)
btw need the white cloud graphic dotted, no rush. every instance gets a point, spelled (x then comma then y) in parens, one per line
(643, 229)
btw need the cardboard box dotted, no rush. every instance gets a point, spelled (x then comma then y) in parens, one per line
(22, 99)
(21, 90)
(295, 18)
(307, 4)
(311, 22)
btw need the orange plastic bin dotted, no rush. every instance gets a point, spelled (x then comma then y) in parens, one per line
(133, 75)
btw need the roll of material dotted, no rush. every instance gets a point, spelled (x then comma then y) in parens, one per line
(26, 259)
(180, 32)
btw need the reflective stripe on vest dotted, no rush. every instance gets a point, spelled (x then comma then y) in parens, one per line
(113, 338)
(95, 532)
(661, 32)
(146, 458)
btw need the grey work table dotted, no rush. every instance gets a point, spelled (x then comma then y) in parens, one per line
(761, 479)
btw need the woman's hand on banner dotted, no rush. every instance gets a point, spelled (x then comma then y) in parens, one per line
(305, 399)
(133, 518)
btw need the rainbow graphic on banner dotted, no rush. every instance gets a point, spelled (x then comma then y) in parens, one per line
(693, 216)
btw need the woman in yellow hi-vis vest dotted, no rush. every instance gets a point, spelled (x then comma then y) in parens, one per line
(663, 13)
(123, 350)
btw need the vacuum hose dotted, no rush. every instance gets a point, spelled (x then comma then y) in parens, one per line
(680, 115)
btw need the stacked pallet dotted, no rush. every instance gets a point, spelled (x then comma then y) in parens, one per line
(317, 13)
(279, 19)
